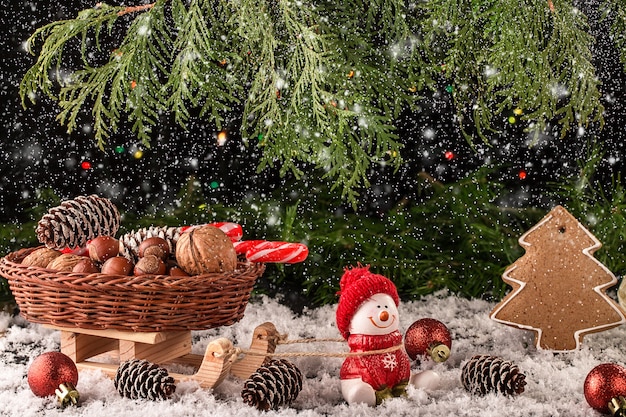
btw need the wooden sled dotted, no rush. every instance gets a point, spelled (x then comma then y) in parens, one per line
(220, 359)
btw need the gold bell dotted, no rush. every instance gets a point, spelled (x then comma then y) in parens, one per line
(67, 394)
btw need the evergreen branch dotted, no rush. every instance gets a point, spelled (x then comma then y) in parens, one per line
(308, 105)
(321, 84)
(569, 50)
(454, 38)
(198, 75)
(548, 73)
(128, 82)
(151, 52)
(135, 9)
(56, 35)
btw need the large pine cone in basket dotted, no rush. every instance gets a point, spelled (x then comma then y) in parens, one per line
(74, 222)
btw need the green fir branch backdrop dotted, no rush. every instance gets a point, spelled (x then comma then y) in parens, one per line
(459, 239)
(321, 83)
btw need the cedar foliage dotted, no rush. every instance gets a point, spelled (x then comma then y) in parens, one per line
(320, 83)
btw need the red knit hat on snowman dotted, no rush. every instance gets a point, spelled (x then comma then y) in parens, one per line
(357, 285)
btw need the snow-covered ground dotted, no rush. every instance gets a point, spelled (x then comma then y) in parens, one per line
(554, 380)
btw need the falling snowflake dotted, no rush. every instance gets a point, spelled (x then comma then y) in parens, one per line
(390, 362)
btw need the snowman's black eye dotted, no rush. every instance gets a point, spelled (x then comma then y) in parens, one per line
(377, 306)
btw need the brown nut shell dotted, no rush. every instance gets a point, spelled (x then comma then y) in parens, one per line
(87, 266)
(65, 262)
(102, 248)
(156, 246)
(177, 271)
(117, 265)
(150, 264)
(40, 257)
(205, 249)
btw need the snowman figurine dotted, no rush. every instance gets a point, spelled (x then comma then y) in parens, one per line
(367, 317)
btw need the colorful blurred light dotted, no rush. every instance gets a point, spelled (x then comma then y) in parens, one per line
(449, 155)
(85, 165)
(221, 138)
(522, 174)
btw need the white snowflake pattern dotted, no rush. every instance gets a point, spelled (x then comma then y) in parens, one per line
(390, 362)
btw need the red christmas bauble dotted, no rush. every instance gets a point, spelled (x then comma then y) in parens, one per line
(605, 382)
(425, 335)
(49, 370)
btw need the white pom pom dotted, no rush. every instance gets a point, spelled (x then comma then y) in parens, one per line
(428, 380)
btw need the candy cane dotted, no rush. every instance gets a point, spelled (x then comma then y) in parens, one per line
(242, 246)
(278, 252)
(233, 230)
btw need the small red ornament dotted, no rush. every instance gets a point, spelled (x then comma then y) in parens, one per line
(605, 388)
(449, 155)
(428, 337)
(522, 174)
(49, 371)
(86, 165)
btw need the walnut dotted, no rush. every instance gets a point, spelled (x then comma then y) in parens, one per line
(41, 257)
(65, 262)
(205, 249)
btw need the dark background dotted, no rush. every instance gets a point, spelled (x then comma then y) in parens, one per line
(37, 153)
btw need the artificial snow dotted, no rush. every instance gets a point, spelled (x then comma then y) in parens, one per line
(554, 380)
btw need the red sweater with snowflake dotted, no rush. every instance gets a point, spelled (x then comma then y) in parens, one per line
(380, 370)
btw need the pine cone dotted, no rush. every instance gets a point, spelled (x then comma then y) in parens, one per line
(275, 384)
(129, 243)
(138, 378)
(74, 222)
(484, 373)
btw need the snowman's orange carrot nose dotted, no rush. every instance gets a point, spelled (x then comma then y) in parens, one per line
(384, 315)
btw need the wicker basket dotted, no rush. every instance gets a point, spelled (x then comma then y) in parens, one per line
(146, 303)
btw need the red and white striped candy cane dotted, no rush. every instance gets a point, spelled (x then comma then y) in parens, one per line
(277, 252)
(242, 246)
(233, 230)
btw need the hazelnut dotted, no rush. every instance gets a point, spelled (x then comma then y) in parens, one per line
(150, 264)
(117, 265)
(102, 248)
(154, 246)
(177, 271)
(86, 266)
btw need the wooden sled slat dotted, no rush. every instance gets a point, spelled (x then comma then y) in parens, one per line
(87, 348)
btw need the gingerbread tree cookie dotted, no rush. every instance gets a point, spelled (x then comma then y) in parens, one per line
(558, 286)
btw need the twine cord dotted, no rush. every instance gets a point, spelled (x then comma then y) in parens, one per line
(282, 340)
